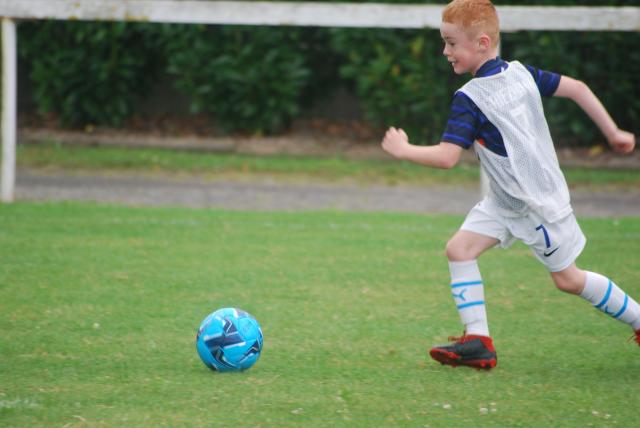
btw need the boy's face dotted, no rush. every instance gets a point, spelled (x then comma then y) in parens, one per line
(464, 53)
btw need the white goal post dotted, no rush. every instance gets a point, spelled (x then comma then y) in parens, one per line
(370, 15)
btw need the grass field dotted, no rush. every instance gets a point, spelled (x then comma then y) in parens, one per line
(99, 306)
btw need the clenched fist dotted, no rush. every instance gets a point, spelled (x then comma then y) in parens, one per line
(395, 142)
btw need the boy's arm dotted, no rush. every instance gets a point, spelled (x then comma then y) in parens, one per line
(621, 141)
(444, 155)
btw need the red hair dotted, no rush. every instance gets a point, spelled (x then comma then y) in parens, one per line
(475, 17)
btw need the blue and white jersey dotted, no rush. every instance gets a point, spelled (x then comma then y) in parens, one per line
(467, 123)
(518, 158)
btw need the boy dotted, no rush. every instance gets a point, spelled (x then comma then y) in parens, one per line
(500, 113)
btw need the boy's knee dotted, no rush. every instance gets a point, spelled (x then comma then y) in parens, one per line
(570, 280)
(465, 245)
(457, 251)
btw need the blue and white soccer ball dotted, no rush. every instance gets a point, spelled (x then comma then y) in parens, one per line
(229, 339)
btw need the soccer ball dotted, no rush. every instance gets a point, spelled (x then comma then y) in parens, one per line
(229, 339)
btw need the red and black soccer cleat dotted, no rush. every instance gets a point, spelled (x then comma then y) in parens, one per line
(468, 350)
(636, 338)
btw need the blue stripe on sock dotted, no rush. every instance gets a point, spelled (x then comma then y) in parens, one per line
(624, 307)
(466, 305)
(606, 296)
(464, 284)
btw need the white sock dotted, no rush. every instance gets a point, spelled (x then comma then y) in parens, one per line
(468, 292)
(606, 296)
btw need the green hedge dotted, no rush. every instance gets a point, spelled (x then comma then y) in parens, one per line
(608, 62)
(400, 77)
(89, 72)
(259, 79)
(249, 79)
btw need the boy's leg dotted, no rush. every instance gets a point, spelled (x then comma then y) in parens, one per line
(475, 348)
(557, 245)
(602, 293)
(467, 287)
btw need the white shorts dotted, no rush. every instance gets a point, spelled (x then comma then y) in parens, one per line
(556, 245)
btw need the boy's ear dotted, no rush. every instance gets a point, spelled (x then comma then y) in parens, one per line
(484, 42)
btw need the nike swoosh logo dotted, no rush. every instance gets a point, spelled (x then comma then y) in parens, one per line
(550, 253)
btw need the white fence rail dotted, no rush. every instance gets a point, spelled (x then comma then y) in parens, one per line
(375, 15)
(372, 15)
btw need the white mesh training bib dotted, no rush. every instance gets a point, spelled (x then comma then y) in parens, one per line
(529, 178)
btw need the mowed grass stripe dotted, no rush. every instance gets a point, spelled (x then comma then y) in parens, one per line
(286, 167)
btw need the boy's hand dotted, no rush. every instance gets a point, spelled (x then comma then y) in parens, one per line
(395, 142)
(622, 141)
